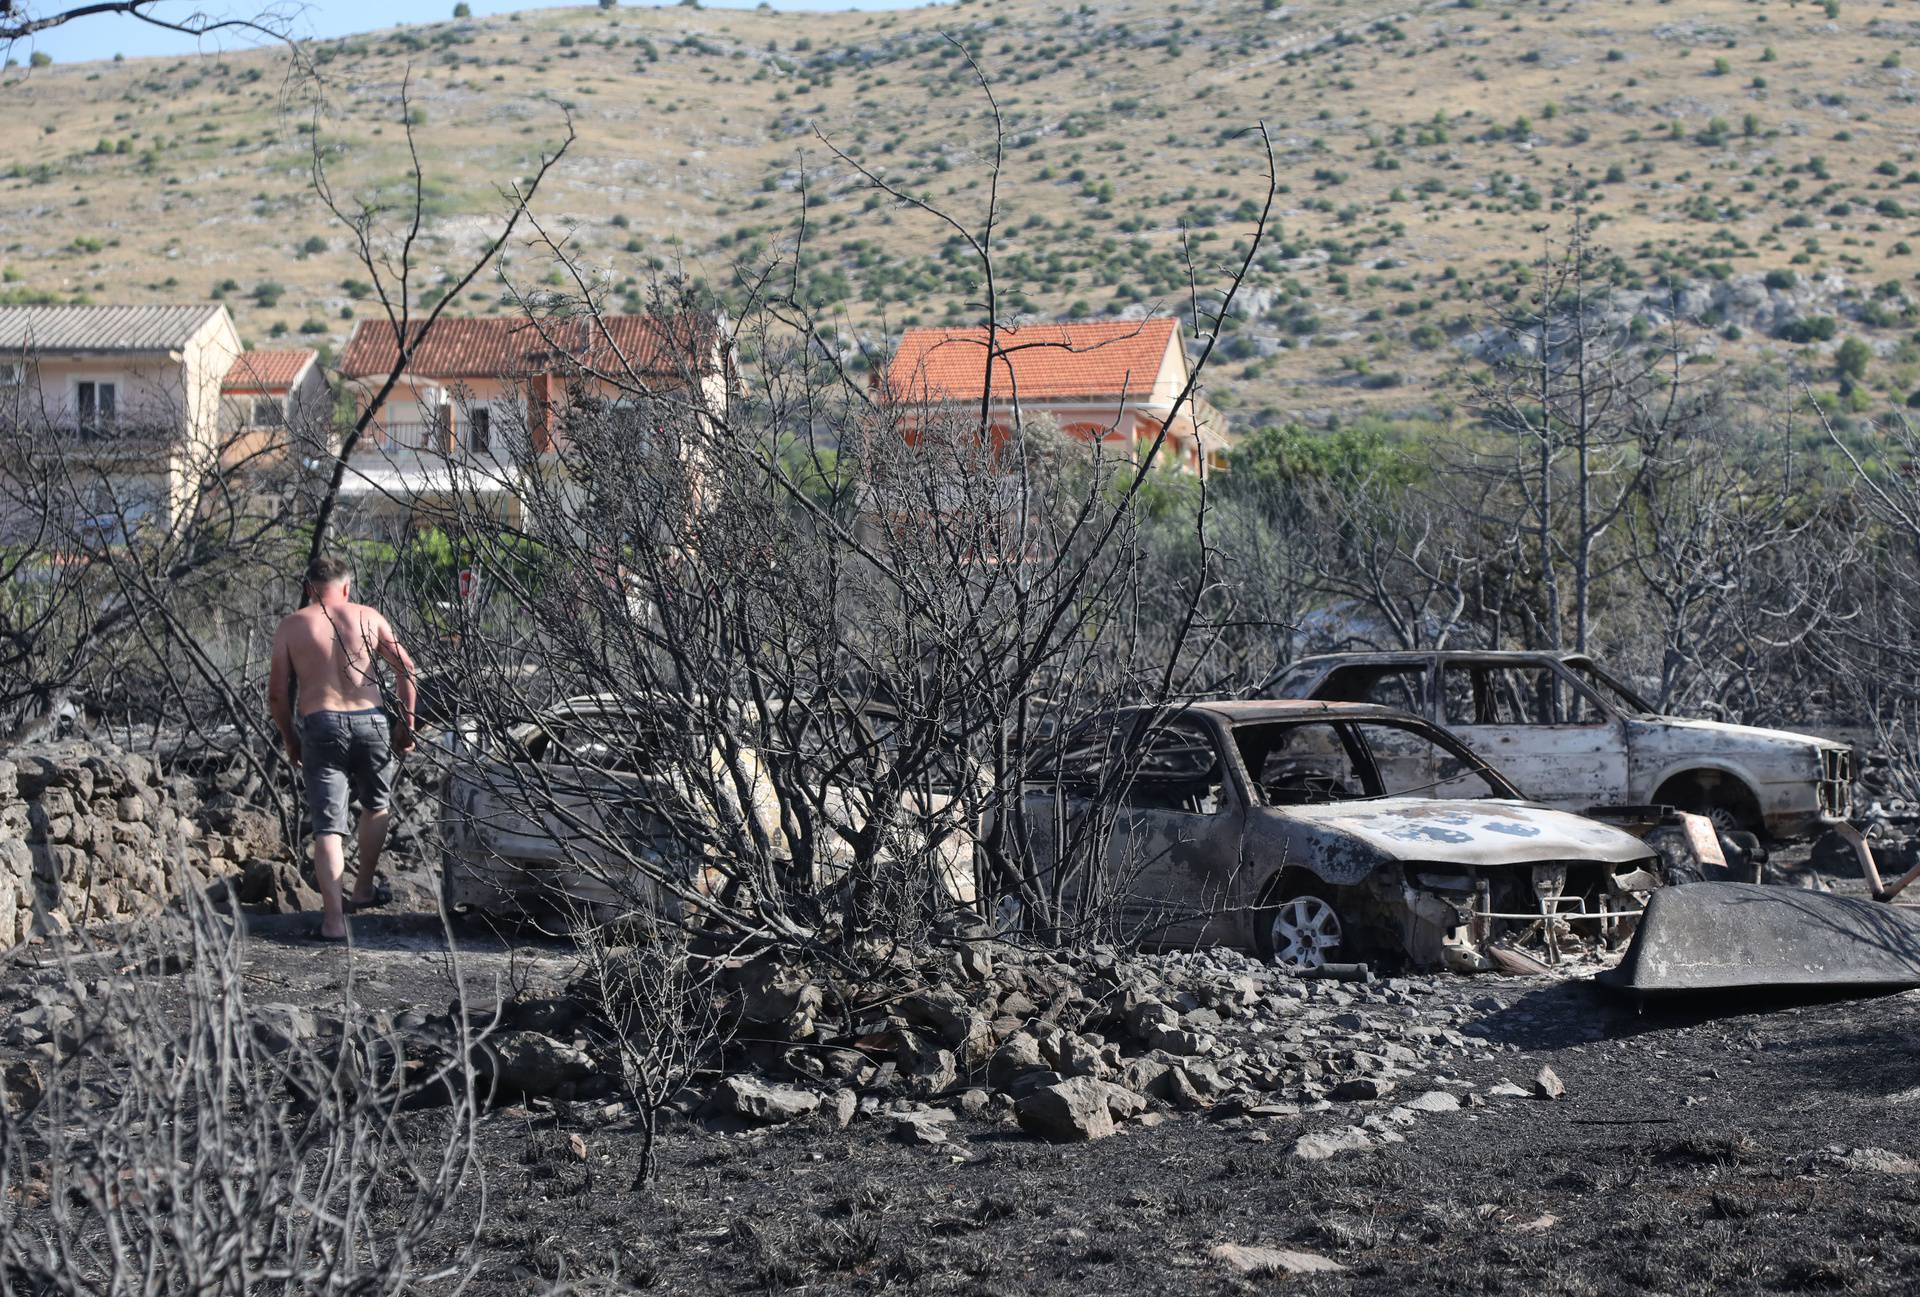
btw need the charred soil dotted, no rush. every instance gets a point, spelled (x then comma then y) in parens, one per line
(1709, 1146)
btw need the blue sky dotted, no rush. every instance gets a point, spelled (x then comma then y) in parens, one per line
(102, 38)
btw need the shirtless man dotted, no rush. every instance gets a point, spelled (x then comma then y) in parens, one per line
(342, 737)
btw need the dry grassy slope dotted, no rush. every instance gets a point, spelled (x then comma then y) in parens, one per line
(694, 126)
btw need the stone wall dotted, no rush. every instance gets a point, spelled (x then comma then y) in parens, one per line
(90, 835)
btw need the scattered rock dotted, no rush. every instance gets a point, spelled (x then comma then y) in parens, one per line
(1321, 1145)
(1180, 1091)
(774, 997)
(1548, 1085)
(526, 1062)
(923, 1129)
(1074, 1110)
(281, 1026)
(1360, 1088)
(1018, 1054)
(1433, 1101)
(1123, 1104)
(1142, 1076)
(1878, 1160)
(927, 1068)
(957, 1025)
(43, 1024)
(21, 1087)
(751, 1099)
(278, 886)
(839, 1108)
(1248, 1259)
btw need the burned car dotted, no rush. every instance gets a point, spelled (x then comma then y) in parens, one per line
(602, 803)
(1579, 738)
(572, 809)
(1299, 830)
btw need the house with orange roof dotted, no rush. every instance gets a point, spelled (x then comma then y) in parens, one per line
(481, 398)
(275, 397)
(1111, 382)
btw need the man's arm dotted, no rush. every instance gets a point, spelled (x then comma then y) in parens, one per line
(394, 653)
(280, 694)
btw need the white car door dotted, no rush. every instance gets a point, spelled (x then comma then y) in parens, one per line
(1537, 726)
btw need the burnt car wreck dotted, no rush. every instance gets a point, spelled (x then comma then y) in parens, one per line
(1307, 833)
(1584, 738)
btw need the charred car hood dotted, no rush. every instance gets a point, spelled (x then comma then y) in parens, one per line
(1722, 736)
(1466, 832)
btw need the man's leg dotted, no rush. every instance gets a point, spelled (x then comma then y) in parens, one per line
(323, 748)
(373, 770)
(373, 837)
(329, 862)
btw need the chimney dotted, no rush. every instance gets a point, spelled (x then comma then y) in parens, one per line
(540, 412)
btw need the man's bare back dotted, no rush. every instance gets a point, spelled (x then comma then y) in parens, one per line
(325, 653)
(330, 649)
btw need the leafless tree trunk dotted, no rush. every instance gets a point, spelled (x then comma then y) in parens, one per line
(1576, 410)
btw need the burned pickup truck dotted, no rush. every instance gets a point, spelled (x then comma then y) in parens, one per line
(1578, 738)
(1298, 830)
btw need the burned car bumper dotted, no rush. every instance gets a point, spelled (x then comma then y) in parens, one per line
(1471, 921)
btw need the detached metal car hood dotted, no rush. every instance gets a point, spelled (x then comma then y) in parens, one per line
(1468, 832)
(1727, 737)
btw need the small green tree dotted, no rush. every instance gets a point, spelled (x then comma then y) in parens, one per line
(1851, 360)
(41, 59)
(463, 11)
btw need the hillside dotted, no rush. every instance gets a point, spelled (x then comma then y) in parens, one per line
(1761, 154)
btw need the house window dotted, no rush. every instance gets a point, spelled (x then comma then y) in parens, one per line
(95, 403)
(480, 430)
(269, 412)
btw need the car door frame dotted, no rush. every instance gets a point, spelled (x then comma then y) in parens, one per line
(1491, 744)
(1190, 866)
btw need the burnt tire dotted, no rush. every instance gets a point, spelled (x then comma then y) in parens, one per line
(1726, 803)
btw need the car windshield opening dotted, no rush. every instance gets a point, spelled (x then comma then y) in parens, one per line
(1305, 763)
(1316, 762)
(1413, 762)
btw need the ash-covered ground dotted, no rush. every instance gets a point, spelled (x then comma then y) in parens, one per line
(1397, 1135)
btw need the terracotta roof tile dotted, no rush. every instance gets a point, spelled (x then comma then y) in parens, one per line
(489, 348)
(1092, 358)
(267, 370)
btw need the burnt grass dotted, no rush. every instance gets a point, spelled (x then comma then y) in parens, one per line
(1698, 1148)
(1701, 1146)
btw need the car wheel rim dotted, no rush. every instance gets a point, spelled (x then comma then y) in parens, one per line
(1724, 820)
(1305, 931)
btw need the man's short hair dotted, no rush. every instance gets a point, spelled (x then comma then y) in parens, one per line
(326, 570)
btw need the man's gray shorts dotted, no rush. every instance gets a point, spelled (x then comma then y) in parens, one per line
(345, 754)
